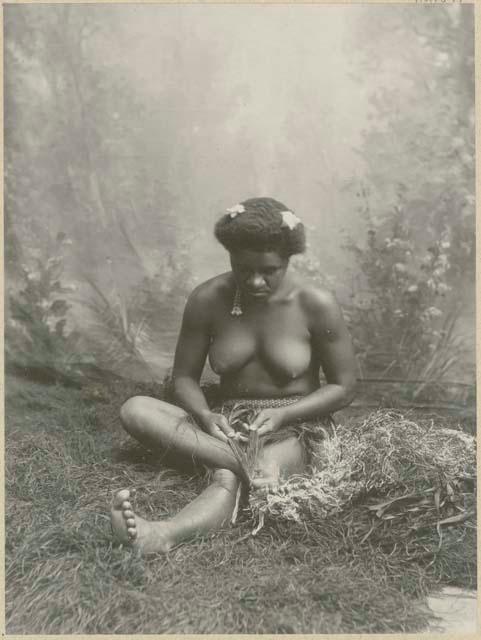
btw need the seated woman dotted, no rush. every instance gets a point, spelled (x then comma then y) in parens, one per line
(267, 334)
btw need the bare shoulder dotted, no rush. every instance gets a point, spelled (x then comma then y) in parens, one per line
(207, 295)
(321, 308)
(317, 300)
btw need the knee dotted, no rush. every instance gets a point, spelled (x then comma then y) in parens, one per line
(267, 467)
(283, 459)
(142, 416)
(267, 462)
(226, 479)
(132, 411)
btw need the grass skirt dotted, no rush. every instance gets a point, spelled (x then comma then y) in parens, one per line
(310, 433)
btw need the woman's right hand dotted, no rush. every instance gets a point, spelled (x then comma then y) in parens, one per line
(216, 425)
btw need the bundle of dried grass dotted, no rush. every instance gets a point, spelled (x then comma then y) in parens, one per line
(398, 477)
(247, 445)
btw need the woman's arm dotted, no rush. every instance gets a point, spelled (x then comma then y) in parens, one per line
(332, 348)
(191, 352)
(190, 355)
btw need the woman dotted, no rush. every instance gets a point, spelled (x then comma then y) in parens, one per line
(266, 334)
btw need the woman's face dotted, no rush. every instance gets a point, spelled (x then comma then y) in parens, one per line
(258, 273)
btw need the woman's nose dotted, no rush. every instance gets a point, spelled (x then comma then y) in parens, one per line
(256, 281)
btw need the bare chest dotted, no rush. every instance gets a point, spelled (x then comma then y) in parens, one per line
(276, 338)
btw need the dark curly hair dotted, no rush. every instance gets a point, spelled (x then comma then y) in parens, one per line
(259, 228)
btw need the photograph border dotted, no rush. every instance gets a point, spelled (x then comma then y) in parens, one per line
(477, 18)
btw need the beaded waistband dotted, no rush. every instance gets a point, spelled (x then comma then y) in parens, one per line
(260, 403)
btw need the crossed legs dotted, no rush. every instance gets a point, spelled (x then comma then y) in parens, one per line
(160, 425)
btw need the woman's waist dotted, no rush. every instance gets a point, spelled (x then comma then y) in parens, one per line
(267, 390)
(234, 408)
(257, 403)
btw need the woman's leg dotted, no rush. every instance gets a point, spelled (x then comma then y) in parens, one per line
(209, 511)
(279, 461)
(161, 425)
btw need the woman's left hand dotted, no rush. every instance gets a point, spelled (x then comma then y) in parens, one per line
(268, 420)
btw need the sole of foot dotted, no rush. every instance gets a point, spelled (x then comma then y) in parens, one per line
(130, 529)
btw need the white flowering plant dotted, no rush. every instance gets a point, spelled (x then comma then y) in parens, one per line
(403, 308)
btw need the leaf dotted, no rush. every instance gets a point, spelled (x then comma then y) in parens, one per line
(380, 508)
(260, 524)
(236, 506)
(240, 457)
(455, 519)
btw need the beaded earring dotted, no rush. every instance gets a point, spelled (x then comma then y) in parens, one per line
(236, 305)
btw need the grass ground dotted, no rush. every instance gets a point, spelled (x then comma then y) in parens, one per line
(66, 456)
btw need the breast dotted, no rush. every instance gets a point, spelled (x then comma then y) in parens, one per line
(232, 350)
(282, 356)
(286, 358)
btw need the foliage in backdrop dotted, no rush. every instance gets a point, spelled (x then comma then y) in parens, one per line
(416, 195)
(132, 232)
(109, 195)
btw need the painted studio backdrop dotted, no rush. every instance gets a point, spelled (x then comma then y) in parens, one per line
(129, 129)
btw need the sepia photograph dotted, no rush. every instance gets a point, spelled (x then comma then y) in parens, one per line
(240, 324)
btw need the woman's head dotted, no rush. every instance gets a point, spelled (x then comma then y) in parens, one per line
(261, 224)
(260, 234)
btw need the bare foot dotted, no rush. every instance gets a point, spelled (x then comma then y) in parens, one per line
(129, 528)
(268, 481)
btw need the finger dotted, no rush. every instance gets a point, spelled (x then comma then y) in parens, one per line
(219, 434)
(255, 425)
(225, 427)
(266, 428)
(238, 436)
(261, 418)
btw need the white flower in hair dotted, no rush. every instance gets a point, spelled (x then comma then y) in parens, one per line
(289, 219)
(237, 208)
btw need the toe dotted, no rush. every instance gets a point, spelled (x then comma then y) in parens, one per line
(132, 532)
(130, 523)
(126, 506)
(128, 514)
(266, 484)
(120, 497)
